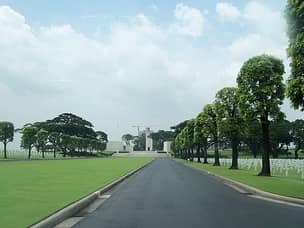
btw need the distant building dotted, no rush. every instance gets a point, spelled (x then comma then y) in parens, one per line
(167, 146)
(149, 140)
(117, 146)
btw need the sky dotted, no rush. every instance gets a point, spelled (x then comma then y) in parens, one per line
(129, 62)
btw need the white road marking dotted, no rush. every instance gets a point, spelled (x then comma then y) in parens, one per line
(104, 196)
(68, 223)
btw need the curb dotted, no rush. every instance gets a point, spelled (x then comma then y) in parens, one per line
(73, 208)
(245, 189)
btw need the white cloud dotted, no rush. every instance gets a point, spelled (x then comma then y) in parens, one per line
(112, 81)
(227, 11)
(128, 75)
(265, 20)
(189, 21)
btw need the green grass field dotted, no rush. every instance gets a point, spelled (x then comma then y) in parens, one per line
(31, 190)
(291, 186)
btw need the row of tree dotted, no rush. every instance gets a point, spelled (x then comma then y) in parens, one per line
(236, 113)
(139, 142)
(67, 134)
(257, 99)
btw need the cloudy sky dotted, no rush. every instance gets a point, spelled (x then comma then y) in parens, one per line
(129, 62)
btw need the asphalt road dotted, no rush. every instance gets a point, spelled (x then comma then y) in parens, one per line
(168, 194)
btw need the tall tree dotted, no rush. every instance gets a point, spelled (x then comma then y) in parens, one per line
(179, 127)
(229, 119)
(297, 132)
(295, 21)
(69, 124)
(6, 134)
(200, 139)
(190, 137)
(280, 137)
(28, 138)
(41, 141)
(127, 138)
(54, 139)
(101, 136)
(252, 136)
(261, 90)
(160, 137)
(209, 118)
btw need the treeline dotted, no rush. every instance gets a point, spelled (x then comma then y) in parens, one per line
(250, 113)
(67, 134)
(139, 142)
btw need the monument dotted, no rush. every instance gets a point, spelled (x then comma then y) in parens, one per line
(149, 140)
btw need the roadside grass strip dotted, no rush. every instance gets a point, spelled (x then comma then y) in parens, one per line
(284, 183)
(32, 190)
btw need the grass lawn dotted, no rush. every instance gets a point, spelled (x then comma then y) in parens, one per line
(291, 186)
(31, 190)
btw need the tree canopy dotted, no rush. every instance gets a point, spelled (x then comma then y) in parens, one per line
(230, 122)
(6, 134)
(295, 21)
(69, 124)
(261, 92)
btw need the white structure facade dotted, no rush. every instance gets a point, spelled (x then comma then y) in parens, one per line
(167, 146)
(117, 146)
(149, 140)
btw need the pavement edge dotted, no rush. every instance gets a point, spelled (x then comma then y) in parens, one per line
(71, 209)
(249, 189)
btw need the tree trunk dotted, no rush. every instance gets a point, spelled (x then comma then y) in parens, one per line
(191, 154)
(54, 153)
(234, 145)
(5, 155)
(29, 152)
(205, 154)
(42, 152)
(216, 152)
(198, 153)
(296, 153)
(266, 147)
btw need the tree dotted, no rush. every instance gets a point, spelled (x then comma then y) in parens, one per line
(252, 136)
(140, 142)
(297, 132)
(295, 21)
(177, 146)
(185, 143)
(209, 118)
(261, 90)
(190, 137)
(101, 136)
(160, 137)
(69, 124)
(6, 134)
(179, 127)
(28, 139)
(64, 143)
(280, 137)
(127, 138)
(230, 122)
(200, 139)
(54, 139)
(41, 140)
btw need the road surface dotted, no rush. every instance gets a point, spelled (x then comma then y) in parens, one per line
(167, 194)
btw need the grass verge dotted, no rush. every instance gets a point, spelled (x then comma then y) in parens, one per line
(31, 190)
(291, 186)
